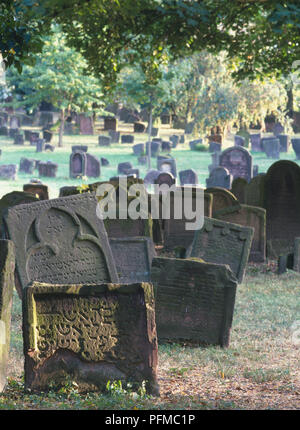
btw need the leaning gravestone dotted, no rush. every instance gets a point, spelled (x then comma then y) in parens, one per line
(60, 241)
(223, 243)
(271, 147)
(90, 333)
(139, 127)
(188, 177)
(222, 199)
(7, 268)
(104, 161)
(219, 177)
(281, 199)
(296, 147)
(238, 161)
(133, 258)
(38, 190)
(250, 216)
(194, 301)
(8, 171)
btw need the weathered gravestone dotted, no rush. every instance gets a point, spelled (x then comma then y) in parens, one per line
(93, 166)
(250, 216)
(281, 198)
(222, 199)
(239, 140)
(255, 140)
(283, 142)
(215, 158)
(27, 165)
(38, 190)
(166, 146)
(40, 145)
(165, 178)
(78, 162)
(47, 136)
(138, 149)
(167, 164)
(154, 146)
(7, 268)
(193, 144)
(215, 147)
(123, 167)
(60, 241)
(82, 148)
(48, 169)
(127, 138)
(238, 188)
(3, 131)
(238, 161)
(219, 177)
(104, 161)
(13, 132)
(19, 139)
(8, 171)
(151, 176)
(254, 191)
(104, 140)
(194, 301)
(86, 125)
(223, 243)
(14, 122)
(188, 177)
(174, 139)
(139, 127)
(34, 137)
(90, 333)
(296, 147)
(110, 123)
(133, 258)
(271, 147)
(114, 136)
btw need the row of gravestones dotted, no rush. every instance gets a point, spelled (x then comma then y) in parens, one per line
(89, 298)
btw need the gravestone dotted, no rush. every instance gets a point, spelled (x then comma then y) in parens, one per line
(166, 146)
(215, 147)
(182, 138)
(127, 138)
(222, 199)
(132, 172)
(281, 199)
(154, 131)
(48, 169)
(296, 147)
(188, 177)
(142, 160)
(34, 137)
(133, 258)
(104, 161)
(255, 140)
(250, 216)
(19, 139)
(78, 164)
(239, 140)
(3, 131)
(90, 333)
(194, 143)
(114, 135)
(223, 243)
(165, 178)
(271, 147)
(47, 136)
(155, 147)
(86, 126)
(27, 165)
(215, 157)
(104, 140)
(38, 190)
(255, 170)
(49, 147)
(283, 142)
(296, 265)
(82, 148)
(174, 139)
(7, 268)
(123, 167)
(254, 192)
(60, 241)
(110, 123)
(285, 262)
(40, 145)
(167, 164)
(8, 171)
(278, 129)
(12, 132)
(238, 188)
(238, 161)
(219, 177)
(93, 166)
(194, 301)
(151, 176)
(138, 149)
(139, 127)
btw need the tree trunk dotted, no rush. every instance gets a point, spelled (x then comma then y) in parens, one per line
(150, 137)
(61, 128)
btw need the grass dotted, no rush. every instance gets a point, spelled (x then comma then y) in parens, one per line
(259, 370)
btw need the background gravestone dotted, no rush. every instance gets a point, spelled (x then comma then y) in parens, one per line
(255, 140)
(104, 140)
(188, 177)
(165, 178)
(239, 141)
(38, 190)
(123, 167)
(78, 164)
(93, 166)
(238, 188)
(223, 243)
(114, 135)
(86, 124)
(151, 176)
(254, 191)
(296, 147)
(167, 164)
(215, 147)
(48, 169)
(271, 147)
(133, 258)
(284, 142)
(8, 171)
(83, 148)
(155, 146)
(7, 268)
(127, 138)
(27, 165)
(90, 333)
(222, 199)
(219, 177)
(60, 241)
(194, 301)
(138, 149)
(110, 123)
(238, 161)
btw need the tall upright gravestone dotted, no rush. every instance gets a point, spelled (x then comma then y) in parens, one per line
(238, 161)
(60, 241)
(7, 267)
(223, 243)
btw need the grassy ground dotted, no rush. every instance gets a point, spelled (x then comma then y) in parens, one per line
(259, 370)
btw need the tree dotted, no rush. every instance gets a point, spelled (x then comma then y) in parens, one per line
(59, 77)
